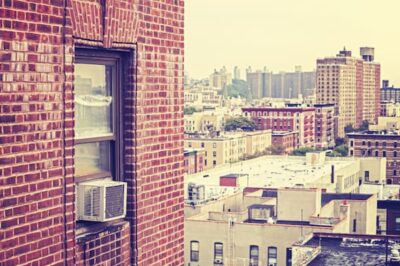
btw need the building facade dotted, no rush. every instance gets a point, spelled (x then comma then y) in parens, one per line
(389, 93)
(324, 125)
(281, 85)
(287, 141)
(230, 147)
(194, 160)
(56, 133)
(301, 119)
(260, 227)
(352, 85)
(381, 144)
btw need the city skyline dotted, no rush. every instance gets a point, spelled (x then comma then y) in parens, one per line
(226, 40)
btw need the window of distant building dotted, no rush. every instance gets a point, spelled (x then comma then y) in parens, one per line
(194, 250)
(384, 153)
(369, 143)
(214, 145)
(190, 144)
(384, 144)
(395, 154)
(395, 144)
(351, 143)
(394, 172)
(214, 162)
(272, 256)
(254, 255)
(363, 143)
(288, 257)
(376, 153)
(98, 127)
(397, 224)
(354, 225)
(202, 144)
(214, 154)
(351, 152)
(376, 144)
(218, 253)
(366, 175)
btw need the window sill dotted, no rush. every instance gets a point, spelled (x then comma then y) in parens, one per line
(86, 230)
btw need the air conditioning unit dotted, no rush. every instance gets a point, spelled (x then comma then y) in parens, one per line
(101, 200)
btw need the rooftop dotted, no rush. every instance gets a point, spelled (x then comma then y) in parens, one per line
(354, 250)
(274, 172)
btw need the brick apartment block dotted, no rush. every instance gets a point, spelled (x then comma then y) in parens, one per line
(40, 42)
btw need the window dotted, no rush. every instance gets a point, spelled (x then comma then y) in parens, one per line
(190, 144)
(214, 154)
(254, 255)
(376, 144)
(369, 143)
(366, 175)
(395, 154)
(351, 152)
(202, 144)
(214, 162)
(98, 130)
(354, 225)
(384, 153)
(194, 250)
(218, 253)
(397, 224)
(376, 153)
(351, 143)
(214, 145)
(272, 256)
(363, 143)
(289, 257)
(395, 144)
(394, 172)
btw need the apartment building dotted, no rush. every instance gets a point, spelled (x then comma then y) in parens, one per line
(210, 120)
(380, 144)
(286, 140)
(260, 226)
(194, 160)
(324, 125)
(301, 119)
(229, 147)
(389, 93)
(281, 85)
(117, 130)
(352, 85)
(390, 109)
(220, 79)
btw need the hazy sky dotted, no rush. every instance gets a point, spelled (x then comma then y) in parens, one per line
(283, 33)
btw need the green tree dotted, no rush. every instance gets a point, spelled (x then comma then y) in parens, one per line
(302, 151)
(238, 88)
(243, 123)
(189, 110)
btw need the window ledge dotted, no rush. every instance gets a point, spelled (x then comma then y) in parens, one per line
(86, 231)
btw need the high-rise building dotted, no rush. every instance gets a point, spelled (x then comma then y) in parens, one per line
(91, 133)
(281, 85)
(352, 85)
(220, 79)
(236, 72)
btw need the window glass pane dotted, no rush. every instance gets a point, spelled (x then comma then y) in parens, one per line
(92, 158)
(93, 100)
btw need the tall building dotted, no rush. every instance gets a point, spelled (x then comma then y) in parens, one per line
(220, 79)
(389, 93)
(236, 72)
(352, 85)
(281, 85)
(117, 131)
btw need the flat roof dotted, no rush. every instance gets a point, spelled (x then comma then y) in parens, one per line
(340, 251)
(327, 197)
(273, 172)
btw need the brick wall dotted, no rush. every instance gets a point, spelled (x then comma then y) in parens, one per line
(109, 247)
(37, 42)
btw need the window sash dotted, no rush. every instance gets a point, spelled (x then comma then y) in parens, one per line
(114, 61)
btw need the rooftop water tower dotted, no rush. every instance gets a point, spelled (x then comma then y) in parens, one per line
(367, 53)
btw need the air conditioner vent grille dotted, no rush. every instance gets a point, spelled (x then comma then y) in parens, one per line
(92, 201)
(114, 201)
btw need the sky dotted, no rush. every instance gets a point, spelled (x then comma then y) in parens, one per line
(280, 34)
